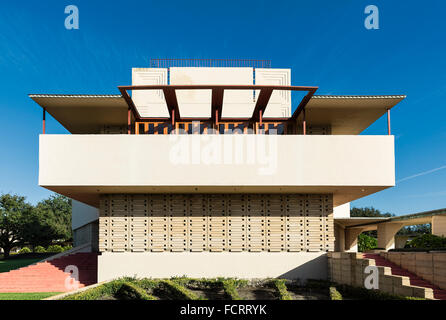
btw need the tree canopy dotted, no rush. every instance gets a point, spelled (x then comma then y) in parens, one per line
(368, 212)
(24, 224)
(14, 211)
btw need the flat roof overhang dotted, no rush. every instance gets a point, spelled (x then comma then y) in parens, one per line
(371, 223)
(90, 194)
(84, 113)
(349, 115)
(367, 223)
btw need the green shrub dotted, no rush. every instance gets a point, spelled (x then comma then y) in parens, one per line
(25, 250)
(105, 290)
(55, 249)
(335, 294)
(147, 284)
(280, 286)
(177, 291)
(199, 283)
(66, 248)
(230, 289)
(366, 242)
(130, 291)
(427, 241)
(39, 249)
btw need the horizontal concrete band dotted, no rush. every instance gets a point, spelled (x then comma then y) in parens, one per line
(301, 265)
(216, 160)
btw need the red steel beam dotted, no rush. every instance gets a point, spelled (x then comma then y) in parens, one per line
(219, 86)
(262, 102)
(217, 104)
(388, 122)
(303, 103)
(130, 103)
(43, 121)
(129, 121)
(172, 102)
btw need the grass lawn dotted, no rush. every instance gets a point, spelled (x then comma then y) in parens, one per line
(11, 264)
(27, 296)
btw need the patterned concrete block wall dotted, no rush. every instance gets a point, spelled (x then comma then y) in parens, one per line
(430, 266)
(216, 223)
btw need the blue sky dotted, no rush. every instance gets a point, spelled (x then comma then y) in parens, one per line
(324, 42)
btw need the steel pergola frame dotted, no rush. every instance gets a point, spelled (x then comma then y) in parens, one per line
(216, 101)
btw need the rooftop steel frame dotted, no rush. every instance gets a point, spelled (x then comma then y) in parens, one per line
(225, 63)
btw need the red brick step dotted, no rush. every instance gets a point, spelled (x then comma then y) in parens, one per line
(49, 276)
(414, 279)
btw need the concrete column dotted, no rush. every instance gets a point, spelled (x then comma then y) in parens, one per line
(439, 225)
(351, 239)
(339, 238)
(386, 234)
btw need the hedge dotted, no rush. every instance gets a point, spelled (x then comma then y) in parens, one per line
(177, 291)
(427, 241)
(130, 291)
(335, 294)
(282, 292)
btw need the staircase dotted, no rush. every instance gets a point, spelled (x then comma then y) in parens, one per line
(49, 276)
(414, 279)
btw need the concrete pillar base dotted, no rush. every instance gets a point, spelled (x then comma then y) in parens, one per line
(386, 234)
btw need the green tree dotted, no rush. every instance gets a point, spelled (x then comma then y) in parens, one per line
(366, 242)
(416, 229)
(50, 220)
(368, 212)
(427, 241)
(14, 212)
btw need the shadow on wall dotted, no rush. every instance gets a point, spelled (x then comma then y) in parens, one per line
(314, 269)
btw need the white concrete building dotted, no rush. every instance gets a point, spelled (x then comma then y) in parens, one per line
(215, 171)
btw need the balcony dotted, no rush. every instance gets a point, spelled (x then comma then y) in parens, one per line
(84, 166)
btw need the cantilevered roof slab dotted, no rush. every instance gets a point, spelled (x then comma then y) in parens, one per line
(366, 223)
(82, 114)
(348, 114)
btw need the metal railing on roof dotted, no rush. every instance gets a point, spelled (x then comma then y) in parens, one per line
(168, 63)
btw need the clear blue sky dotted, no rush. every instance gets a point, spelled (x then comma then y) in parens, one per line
(324, 42)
